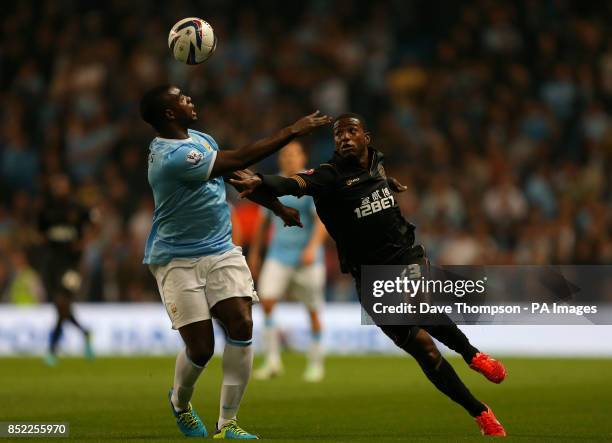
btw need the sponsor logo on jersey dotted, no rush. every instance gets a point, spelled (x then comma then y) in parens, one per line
(194, 157)
(308, 172)
(380, 199)
(352, 181)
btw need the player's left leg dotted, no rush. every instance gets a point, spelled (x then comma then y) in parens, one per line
(235, 316)
(88, 349)
(418, 343)
(307, 285)
(230, 293)
(455, 339)
(62, 307)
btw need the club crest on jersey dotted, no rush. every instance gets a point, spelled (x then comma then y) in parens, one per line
(194, 157)
(172, 308)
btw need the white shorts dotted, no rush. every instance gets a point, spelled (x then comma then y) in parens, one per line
(190, 287)
(304, 283)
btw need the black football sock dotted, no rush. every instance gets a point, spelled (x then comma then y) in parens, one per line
(444, 377)
(55, 336)
(77, 324)
(451, 336)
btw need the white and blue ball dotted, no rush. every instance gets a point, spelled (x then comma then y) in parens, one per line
(192, 40)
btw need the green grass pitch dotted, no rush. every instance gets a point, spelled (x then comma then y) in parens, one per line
(369, 399)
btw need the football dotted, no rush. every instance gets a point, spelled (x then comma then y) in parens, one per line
(192, 40)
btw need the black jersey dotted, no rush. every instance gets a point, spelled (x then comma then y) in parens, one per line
(359, 211)
(62, 223)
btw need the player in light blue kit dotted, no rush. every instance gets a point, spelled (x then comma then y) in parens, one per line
(293, 266)
(199, 272)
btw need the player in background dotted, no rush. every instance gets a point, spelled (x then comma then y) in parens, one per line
(62, 222)
(353, 198)
(200, 273)
(294, 265)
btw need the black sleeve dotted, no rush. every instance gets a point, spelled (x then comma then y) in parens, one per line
(316, 182)
(278, 185)
(312, 182)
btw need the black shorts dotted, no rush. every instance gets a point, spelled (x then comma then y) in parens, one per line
(60, 275)
(400, 334)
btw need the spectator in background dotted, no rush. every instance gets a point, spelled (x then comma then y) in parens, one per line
(24, 287)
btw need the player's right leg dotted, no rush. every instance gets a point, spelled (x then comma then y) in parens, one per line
(56, 333)
(51, 272)
(273, 282)
(444, 329)
(272, 365)
(62, 308)
(315, 371)
(418, 343)
(182, 293)
(190, 362)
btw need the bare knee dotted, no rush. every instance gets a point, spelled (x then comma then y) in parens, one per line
(267, 305)
(235, 316)
(200, 353)
(240, 327)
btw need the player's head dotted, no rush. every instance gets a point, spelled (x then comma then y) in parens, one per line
(165, 105)
(292, 159)
(351, 135)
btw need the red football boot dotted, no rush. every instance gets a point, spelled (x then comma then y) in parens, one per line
(489, 425)
(489, 367)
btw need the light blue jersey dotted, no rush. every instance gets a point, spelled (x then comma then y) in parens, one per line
(192, 217)
(288, 243)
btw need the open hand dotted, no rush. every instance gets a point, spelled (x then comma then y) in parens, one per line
(245, 181)
(306, 124)
(290, 216)
(395, 185)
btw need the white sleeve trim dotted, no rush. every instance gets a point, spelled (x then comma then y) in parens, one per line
(210, 165)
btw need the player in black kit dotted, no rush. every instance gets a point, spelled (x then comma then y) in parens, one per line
(354, 201)
(62, 222)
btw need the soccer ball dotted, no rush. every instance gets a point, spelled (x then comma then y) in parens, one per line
(192, 40)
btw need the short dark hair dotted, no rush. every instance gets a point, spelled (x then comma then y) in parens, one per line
(352, 115)
(153, 104)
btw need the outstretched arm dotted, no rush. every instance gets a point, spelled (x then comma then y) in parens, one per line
(248, 183)
(263, 197)
(320, 182)
(233, 160)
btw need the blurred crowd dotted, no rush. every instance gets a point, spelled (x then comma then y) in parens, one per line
(496, 114)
